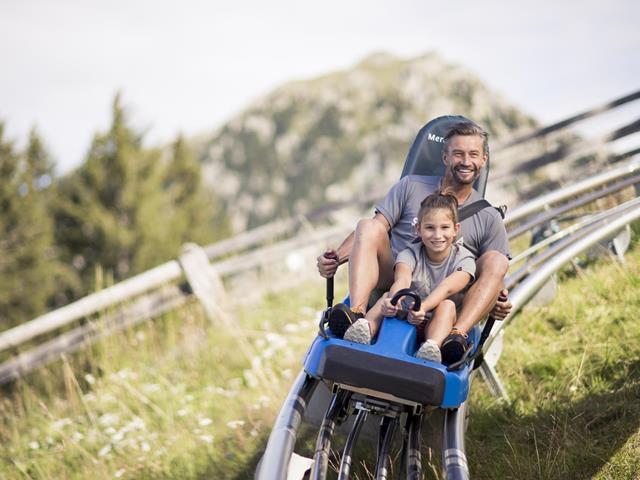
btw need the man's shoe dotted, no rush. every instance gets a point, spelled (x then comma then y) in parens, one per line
(359, 332)
(429, 351)
(341, 318)
(454, 347)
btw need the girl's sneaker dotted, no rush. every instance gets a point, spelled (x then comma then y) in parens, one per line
(359, 332)
(430, 351)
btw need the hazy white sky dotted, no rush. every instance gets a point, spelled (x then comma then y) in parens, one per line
(188, 66)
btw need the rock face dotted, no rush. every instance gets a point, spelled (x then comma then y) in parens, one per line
(311, 142)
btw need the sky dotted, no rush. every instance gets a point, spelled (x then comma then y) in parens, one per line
(187, 67)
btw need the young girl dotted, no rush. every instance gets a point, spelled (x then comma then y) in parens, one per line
(437, 269)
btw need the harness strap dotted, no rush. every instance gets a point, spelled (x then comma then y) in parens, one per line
(473, 208)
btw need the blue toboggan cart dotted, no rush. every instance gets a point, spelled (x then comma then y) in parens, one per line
(383, 384)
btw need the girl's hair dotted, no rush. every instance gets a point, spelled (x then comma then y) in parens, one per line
(440, 199)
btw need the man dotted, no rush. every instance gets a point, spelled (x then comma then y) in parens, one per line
(371, 249)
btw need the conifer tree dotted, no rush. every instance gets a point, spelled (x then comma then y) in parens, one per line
(27, 263)
(111, 208)
(197, 216)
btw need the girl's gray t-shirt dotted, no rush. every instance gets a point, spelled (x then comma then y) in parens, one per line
(426, 275)
(479, 233)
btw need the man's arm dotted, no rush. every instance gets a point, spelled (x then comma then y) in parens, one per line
(329, 261)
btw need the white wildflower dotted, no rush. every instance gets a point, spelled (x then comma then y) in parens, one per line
(59, 424)
(104, 450)
(307, 310)
(204, 422)
(253, 433)
(188, 398)
(272, 337)
(91, 380)
(144, 446)
(260, 343)
(125, 374)
(77, 436)
(291, 328)
(136, 424)
(287, 373)
(33, 445)
(268, 353)
(151, 388)
(182, 412)
(233, 424)
(109, 419)
(250, 378)
(107, 398)
(256, 363)
(109, 431)
(119, 473)
(206, 438)
(89, 397)
(140, 336)
(118, 436)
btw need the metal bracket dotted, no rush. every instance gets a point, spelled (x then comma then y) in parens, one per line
(488, 370)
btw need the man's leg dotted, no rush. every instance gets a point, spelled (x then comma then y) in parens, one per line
(370, 262)
(482, 295)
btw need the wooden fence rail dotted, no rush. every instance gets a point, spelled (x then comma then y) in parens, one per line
(154, 291)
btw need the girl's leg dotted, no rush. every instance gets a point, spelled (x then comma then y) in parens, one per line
(442, 321)
(374, 317)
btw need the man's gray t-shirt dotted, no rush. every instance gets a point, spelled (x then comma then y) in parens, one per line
(426, 274)
(480, 233)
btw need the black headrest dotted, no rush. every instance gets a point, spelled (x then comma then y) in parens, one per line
(425, 155)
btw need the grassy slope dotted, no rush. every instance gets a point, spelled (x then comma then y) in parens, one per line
(573, 373)
(178, 399)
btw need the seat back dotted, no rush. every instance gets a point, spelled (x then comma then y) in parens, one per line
(425, 154)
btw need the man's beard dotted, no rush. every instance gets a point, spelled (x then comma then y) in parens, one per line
(454, 175)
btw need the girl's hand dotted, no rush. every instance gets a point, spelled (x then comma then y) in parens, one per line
(388, 310)
(416, 318)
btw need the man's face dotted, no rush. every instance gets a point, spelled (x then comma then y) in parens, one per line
(464, 157)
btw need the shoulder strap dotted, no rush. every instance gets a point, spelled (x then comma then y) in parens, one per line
(473, 208)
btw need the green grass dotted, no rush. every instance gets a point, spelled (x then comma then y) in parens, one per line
(572, 370)
(178, 398)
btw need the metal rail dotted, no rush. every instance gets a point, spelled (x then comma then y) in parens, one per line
(520, 295)
(572, 205)
(277, 454)
(569, 191)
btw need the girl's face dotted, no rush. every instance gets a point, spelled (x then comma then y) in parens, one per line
(437, 230)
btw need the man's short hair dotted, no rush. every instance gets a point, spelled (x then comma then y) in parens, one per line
(467, 128)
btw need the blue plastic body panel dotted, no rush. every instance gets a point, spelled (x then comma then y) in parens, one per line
(396, 341)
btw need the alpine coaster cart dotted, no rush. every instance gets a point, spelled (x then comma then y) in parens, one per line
(383, 379)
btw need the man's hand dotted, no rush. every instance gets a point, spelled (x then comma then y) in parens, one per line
(388, 310)
(328, 263)
(415, 317)
(503, 306)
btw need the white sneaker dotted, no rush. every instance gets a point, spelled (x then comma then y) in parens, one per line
(430, 351)
(358, 332)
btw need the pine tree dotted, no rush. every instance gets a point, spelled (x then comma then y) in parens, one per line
(27, 263)
(127, 209)
(197, 216)
(100, 205)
